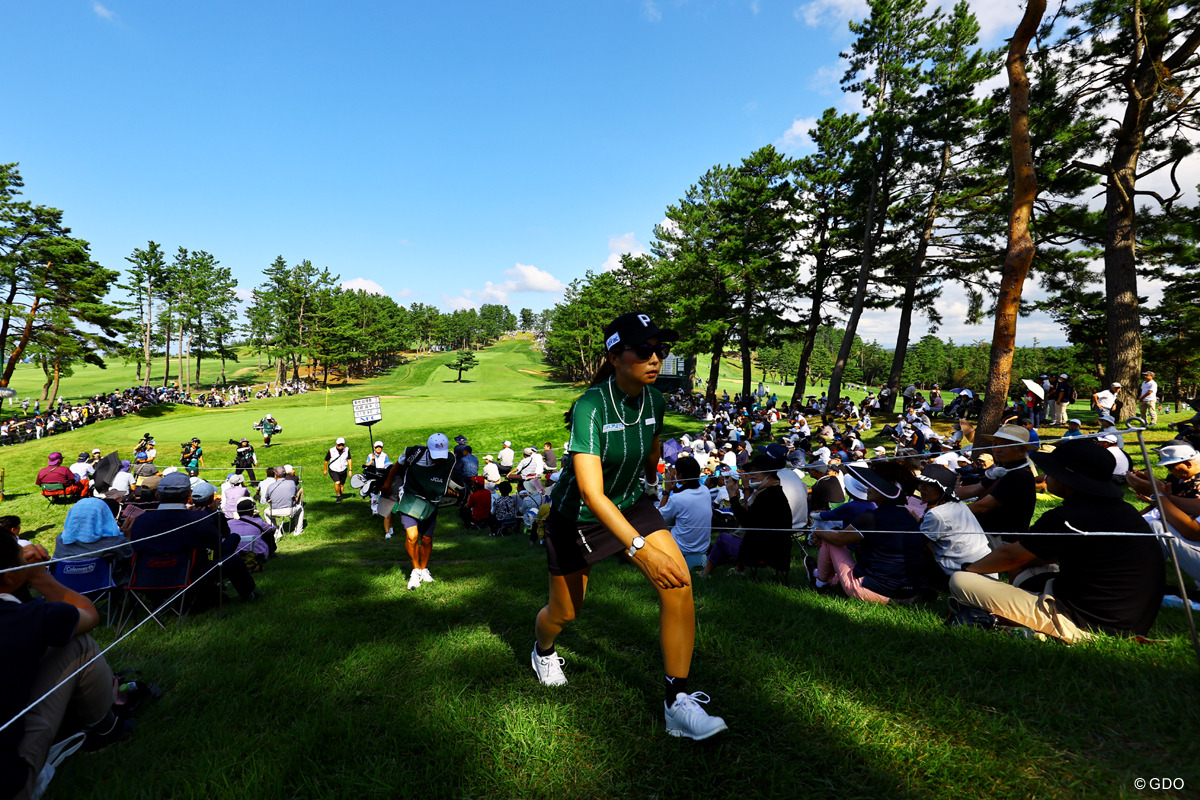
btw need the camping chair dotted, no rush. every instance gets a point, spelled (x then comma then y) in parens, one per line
(161, 575)
(506, 526)
(91, 576)
(57, 493)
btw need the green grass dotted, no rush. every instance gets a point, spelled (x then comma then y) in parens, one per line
(340, 683)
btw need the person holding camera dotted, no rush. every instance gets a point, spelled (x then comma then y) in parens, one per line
(191, 457)
(244, 458)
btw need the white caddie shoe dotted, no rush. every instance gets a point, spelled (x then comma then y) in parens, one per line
(414, 580)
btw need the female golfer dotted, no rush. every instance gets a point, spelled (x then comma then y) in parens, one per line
(598, 509)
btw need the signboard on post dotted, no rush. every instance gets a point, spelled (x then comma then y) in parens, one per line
(367, 411)
(672, 367)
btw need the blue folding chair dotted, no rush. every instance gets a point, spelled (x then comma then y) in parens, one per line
(90, 576)
(159, 575)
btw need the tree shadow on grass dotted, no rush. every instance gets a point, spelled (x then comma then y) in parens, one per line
(464, 380)
(371, 687)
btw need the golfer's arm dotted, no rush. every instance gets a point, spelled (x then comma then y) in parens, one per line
(651, 468)
(589, 475)
(1002, 559)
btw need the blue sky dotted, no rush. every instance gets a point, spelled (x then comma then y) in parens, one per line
(448, 152)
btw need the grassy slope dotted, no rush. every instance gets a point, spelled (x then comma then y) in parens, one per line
(342, 684)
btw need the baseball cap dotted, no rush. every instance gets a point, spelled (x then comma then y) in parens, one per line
(377, 444)
(1064, 375)
(487, 457)
(1116, 384)
(528, 451)
(1074, 421)
(507, 443)
(340, 440)
(96, 450)
(202, 492)
(439, 446)
(174, 483)
(1105, 418)
(634, 328)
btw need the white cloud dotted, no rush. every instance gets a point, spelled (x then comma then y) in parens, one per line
(796, 137)
(651, 11)
(403, 294)
(828, 79)
(458, 302)
(521, 278)
(619, 246)
(244, 295)
(103, 13)
(365, 284)
(827, 12)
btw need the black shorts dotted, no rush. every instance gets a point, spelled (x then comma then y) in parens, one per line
(338, 475)
(572, 546)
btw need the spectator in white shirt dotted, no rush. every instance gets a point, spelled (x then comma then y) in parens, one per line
(956, 538)
(1148, 398)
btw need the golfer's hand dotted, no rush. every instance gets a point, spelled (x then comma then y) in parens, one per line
(661, 569)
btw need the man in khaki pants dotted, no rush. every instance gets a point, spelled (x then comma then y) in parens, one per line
(1110, 584)
(44, 644)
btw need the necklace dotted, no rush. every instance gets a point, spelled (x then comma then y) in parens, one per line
(617, 408)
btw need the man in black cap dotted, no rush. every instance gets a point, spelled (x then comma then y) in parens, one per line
(1111, 584)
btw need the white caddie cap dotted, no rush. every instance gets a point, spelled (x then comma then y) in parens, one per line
(377, 444)
(340, 440)
(439, 445)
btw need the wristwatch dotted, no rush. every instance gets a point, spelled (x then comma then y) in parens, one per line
(638, 543)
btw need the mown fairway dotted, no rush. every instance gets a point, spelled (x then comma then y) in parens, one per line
(340, 683)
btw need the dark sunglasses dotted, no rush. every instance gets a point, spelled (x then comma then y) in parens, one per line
(643, 351)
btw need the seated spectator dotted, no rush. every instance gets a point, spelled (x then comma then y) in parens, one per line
(955, 535)
(765, 517)
(1180, 503)
(283, 498)
(1111, 584)
(90, 527)
(1072, 429)
(43, 642)
(688, 508)
(504, 508)
(55, 472)
(82, 469)
(232, 491)
(827, 491)
(478, 508)
(844, 514)
(1008, 495)
(890, 560)
(175, 527)
(255, 534)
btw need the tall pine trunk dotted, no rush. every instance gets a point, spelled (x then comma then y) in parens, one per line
(744, 344)
(714, 367)
(814, 313)
(1019, 256)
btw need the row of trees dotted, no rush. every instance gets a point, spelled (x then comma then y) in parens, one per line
(907, 204)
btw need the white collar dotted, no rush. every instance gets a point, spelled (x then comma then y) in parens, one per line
(9, 598)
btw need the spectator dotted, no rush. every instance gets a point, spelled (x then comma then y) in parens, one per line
(1072, 429)
(491, 472)
(82, 469)
(43, 642)
(478, 508)
(765, 517)
(505, 457)
(827, 491)
(55, 472)
(232, 491)
(1111, 584)
(848, 511)
(256, 536)
(530, 470)
(1148, 398)
(90, 527)
(505, 508)
(955, 535)
(889, 566)
(283, 498)
(174, 527)
(1007, 497)
(548, 458)
(687, 507)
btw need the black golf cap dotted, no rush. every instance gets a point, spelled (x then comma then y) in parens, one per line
(634, 328)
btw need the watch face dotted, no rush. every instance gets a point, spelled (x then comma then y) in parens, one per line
(639, 542)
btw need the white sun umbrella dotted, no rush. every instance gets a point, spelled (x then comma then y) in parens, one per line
(1034, 387)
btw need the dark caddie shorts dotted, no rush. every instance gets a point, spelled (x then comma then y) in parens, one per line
(424, 526)
(337, 475)
(572, 546)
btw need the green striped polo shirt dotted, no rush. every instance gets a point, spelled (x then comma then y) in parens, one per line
(620, 429)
